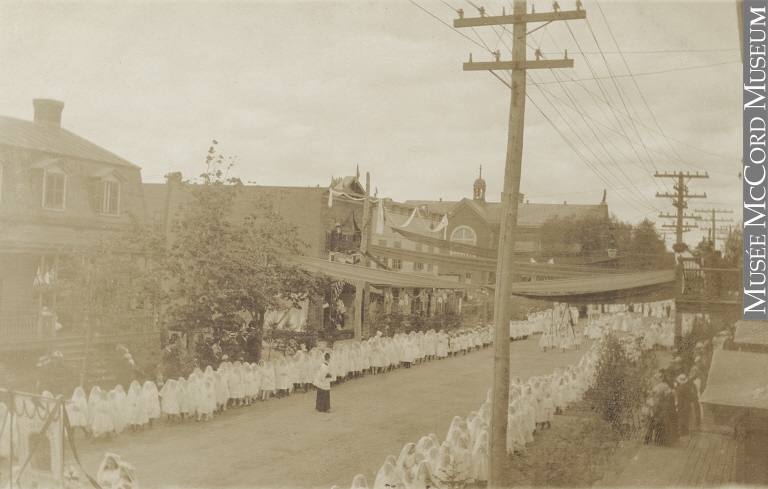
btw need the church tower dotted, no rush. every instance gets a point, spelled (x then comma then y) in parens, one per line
(479, 188)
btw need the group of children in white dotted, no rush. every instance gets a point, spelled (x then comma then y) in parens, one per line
(654, 322)
(240, 383)
(558, 327)
(464, 455)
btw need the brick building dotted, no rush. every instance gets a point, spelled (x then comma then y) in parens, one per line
(57, 191)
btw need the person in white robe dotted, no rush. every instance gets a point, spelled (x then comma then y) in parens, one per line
(359, 482)
(185, 403)
(102, 416)
(77, 410)
(93, 403)
(169, 404)
(480, 459)
(208, 400)
(117, 408)
(268, 384)
(235, 384)
(149, 391)
(386, 478)
(222, 391)
(136, 410)
(114, 473)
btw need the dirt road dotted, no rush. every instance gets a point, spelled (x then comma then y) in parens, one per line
(286, 443)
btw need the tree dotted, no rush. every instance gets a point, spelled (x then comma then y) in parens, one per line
(113, 285)
(648, 248)
(227, 271)
(734, 248)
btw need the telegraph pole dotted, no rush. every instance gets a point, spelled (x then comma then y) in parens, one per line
(714, 226)
(679, 201)
(362, 288)
(504, 278)
(679, 198)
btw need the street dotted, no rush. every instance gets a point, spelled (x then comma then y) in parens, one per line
(286, 443)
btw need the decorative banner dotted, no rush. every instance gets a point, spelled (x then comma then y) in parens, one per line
(415, 213)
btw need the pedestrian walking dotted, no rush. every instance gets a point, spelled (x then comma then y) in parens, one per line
(323, 384)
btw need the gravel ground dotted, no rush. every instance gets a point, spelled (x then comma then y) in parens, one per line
(286, 443)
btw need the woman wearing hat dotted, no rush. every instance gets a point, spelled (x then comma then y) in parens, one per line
(687, 402)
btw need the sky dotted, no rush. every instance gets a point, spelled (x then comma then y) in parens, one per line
(299, 91)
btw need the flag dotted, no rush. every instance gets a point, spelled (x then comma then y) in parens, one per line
(39, 280)
(533, 261)
(551, 261)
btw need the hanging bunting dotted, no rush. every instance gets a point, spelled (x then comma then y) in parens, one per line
(380, 218)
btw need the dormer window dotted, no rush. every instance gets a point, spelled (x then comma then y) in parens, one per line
(110, 201)
(110, 181)
(54, 189)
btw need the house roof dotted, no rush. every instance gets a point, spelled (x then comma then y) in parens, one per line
(527, 214)
(27, 134)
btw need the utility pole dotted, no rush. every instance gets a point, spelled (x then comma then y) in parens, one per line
(714, 227)
(679, 198)
(504, 277)
(679, 201)
(362, 288)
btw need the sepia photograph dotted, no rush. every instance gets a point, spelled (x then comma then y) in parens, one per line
(383, 244)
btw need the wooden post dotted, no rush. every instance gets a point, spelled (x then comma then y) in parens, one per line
(54, 300)
(40, 300)
(504, 276)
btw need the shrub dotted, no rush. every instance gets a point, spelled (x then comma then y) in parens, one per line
(623, 380)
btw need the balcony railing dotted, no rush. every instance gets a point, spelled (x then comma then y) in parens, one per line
(712, 283)
(22, 327)
(342, 243)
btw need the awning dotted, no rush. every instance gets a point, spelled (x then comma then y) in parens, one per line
(751, 333)
(637, 286)
(376, 277)
(527, 269)
(737, 379)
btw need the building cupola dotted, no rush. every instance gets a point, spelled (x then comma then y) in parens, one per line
(479, 188)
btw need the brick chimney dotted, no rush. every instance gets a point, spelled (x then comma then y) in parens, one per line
(48, 112)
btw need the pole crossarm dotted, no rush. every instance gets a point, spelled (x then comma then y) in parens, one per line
(519, 19)
(685, 196)
(685, 216)
(517, 65)
(686, 228)
(714, 210)
(684, 175)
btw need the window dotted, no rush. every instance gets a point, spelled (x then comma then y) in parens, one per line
(397, 264)
(464, 235)
(54, 190)
(383, 261)
(382, 242)
(110, 202)
(429, 267)
(469, 276)
(418, 266)
(398, 244)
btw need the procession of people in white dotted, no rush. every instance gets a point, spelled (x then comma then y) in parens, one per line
(205, 393)
(463, 456)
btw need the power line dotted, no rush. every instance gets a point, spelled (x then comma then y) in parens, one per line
(656, 72)
(448, 25)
